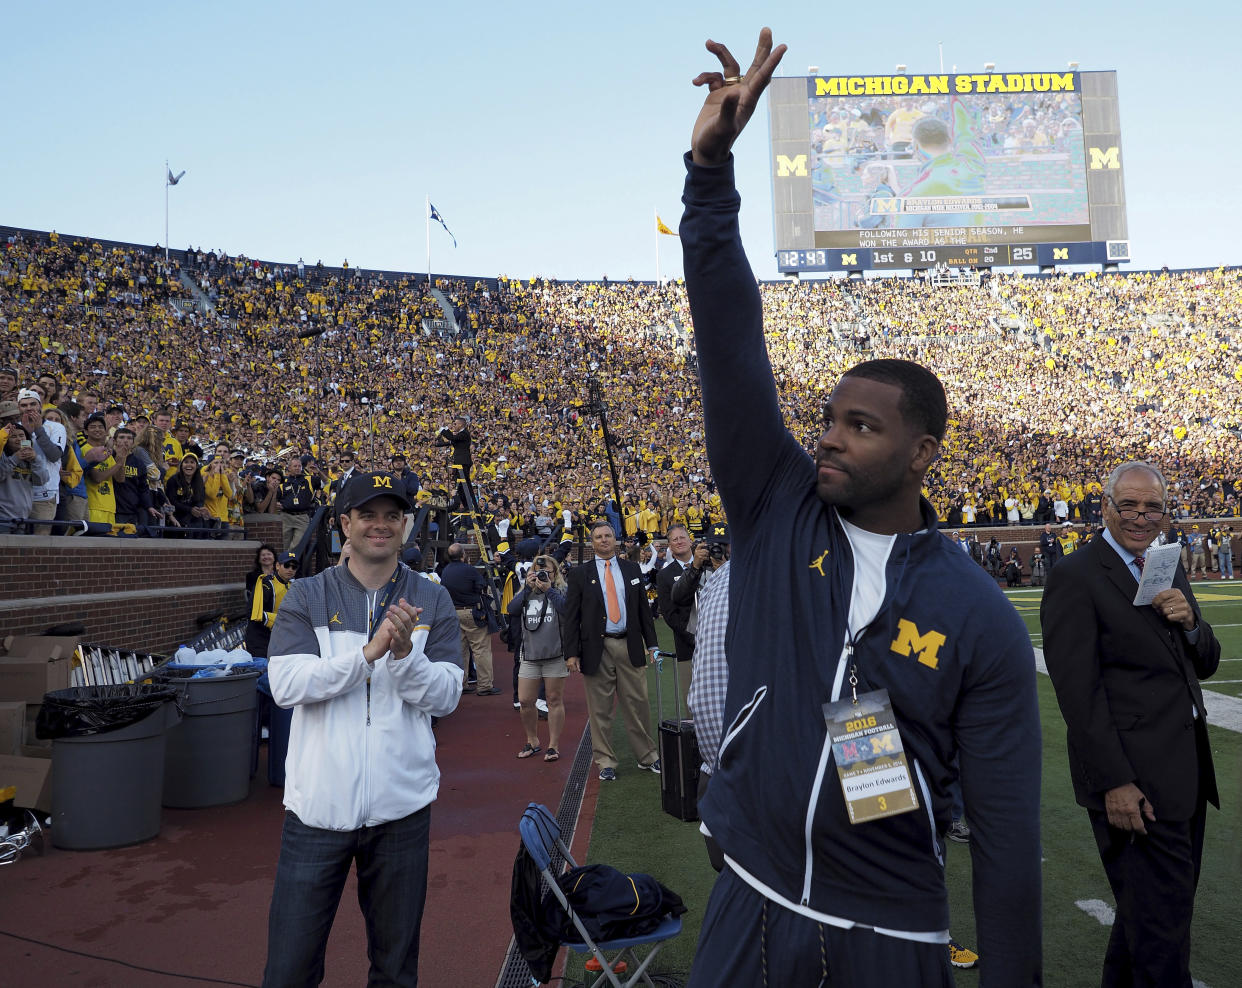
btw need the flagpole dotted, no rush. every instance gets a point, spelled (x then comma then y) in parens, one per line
(656, 214)
(427, 224)
(167, 172)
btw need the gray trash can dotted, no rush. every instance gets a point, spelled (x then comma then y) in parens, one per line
(208, 757)
(107, 787)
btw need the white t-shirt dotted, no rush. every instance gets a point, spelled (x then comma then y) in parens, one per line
(870, 558)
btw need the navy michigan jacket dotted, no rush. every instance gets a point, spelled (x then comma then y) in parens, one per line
(953, 654)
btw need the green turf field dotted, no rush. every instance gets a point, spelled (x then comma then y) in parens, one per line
(632, 833)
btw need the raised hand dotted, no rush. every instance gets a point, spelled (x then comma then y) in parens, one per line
(732, 98)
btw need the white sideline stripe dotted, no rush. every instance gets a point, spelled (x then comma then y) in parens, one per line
(1223, 711)
(1097, 909)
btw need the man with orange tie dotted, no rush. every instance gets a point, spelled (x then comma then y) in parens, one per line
(609, 636)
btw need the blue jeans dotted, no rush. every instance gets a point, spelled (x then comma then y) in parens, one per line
(310, 876)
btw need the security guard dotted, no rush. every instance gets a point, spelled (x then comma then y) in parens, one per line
(297, 500)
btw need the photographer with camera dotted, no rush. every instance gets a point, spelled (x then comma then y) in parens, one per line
(537, 611)
(710, 553)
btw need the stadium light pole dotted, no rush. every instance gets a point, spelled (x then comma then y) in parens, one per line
(596, 407)
(309, 334)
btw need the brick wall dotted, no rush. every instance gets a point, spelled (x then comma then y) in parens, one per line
(143, 594)
(264, 529)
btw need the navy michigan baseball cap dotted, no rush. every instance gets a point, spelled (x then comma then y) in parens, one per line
(365, 487)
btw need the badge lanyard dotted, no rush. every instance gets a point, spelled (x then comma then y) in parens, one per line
(381, 605)
(871, 762)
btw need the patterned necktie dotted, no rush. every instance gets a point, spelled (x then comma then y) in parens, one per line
(1138, 561)
(610, 595)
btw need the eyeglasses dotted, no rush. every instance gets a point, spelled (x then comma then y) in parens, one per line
(1133, 514)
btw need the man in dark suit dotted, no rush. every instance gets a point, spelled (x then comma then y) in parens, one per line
(609, 636)
(682, 550)
(1127, 679)
(458, 436)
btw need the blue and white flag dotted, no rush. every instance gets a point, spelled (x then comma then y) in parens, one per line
(435, 215)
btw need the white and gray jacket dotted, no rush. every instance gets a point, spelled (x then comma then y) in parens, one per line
(361, 748)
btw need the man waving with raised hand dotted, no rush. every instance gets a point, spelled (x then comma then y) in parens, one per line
(871, 663)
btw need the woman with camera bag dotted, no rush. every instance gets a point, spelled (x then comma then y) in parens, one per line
(536, 614)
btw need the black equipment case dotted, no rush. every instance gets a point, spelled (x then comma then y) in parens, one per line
(679, 756)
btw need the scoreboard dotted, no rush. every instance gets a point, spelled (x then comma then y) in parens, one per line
(960, 256)
(964, 170)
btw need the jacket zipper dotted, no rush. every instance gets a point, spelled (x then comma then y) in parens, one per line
(847, 653)
(742, 718)
(370, 619)
(927, 805)
(366, 737)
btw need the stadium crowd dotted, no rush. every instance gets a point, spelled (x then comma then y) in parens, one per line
(234, 376)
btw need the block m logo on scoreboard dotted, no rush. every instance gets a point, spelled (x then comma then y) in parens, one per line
(787, 166)
(1105, 158)
(1060, 253)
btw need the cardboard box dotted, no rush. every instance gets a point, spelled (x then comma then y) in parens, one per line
(12, 726)
(34, 665)
(33, 778)
(28, 735)
(40, 646)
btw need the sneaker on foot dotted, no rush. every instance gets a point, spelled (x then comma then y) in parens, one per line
(653, 767)
(607, 775)
(960, 956)
(959, 832)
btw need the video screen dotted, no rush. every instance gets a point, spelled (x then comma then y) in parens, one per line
(947, 168)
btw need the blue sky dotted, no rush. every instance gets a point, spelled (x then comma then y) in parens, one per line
(545, 133)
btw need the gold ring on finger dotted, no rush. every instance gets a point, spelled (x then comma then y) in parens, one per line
(732, 80)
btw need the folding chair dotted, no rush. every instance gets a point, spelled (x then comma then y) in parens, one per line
(541, 835)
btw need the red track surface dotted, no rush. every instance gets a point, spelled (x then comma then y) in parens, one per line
(194, 900)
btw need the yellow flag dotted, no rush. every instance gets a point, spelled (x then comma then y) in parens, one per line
(661, 228)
